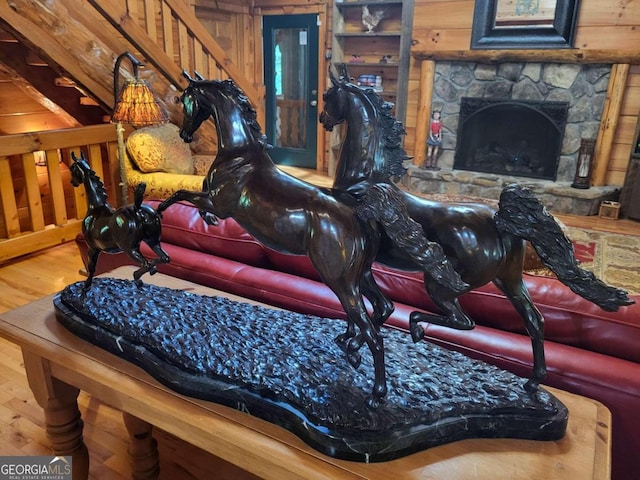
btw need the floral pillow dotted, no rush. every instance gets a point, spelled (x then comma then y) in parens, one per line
(159, 148)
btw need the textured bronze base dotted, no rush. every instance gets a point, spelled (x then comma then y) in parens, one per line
(285, 368)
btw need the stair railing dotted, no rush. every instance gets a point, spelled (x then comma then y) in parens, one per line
(39, 207)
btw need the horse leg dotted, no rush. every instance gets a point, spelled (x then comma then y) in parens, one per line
(344, 341)
(202, 200)
(516, 291)
(163, 257)
(447, 300)
(382, 306)
(351, 300)
(145, 265)
(355, 309)
(351, 343)
(93, 255)
(347, 289)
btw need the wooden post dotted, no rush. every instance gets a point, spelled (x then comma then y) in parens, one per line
(609, 123)
(427, 74)
(143, 450)
(61, 414)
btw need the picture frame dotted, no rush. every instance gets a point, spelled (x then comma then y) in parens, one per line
(524, 24)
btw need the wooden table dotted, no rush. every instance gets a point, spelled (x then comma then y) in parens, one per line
(59, 365)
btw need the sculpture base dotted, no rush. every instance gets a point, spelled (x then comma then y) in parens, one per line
(285, 368)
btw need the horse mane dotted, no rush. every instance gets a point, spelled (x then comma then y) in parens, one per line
(101, 190)
(393, 131)
(248, 112)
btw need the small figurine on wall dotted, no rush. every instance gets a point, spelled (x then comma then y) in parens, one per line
(434, 140)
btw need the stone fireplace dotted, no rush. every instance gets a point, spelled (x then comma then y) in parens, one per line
(510, 137)
(570, 96)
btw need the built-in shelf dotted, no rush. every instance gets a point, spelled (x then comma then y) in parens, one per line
(368, 35)
(390, 39)
(393, 65)
(359, 3)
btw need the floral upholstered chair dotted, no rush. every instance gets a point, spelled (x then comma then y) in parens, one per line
(157, 156)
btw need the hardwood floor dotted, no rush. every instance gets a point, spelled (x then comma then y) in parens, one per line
(21, 420)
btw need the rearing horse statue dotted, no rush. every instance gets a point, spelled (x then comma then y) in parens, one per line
(286, 214)
(483, 245)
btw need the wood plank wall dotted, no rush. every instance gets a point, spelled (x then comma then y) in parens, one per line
(445, 25)
(21, 113)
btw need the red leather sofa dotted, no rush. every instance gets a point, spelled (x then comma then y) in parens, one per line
(589, 352)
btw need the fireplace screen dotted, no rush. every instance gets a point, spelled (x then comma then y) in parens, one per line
(510, 137)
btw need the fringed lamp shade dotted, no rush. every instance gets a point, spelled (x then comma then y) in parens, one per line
(136, 105)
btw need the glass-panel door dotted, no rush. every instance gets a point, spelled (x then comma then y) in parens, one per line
(291, 77)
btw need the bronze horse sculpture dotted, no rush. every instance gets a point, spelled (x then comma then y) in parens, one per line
(286, 214)
(111, 230)
(482, 244)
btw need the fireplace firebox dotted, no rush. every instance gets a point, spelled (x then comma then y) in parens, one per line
(510, 137)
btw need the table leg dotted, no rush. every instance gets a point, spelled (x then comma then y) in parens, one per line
(61, 414)
(143, 450)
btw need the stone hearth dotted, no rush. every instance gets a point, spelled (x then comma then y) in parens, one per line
(558, 197)
(583, 87)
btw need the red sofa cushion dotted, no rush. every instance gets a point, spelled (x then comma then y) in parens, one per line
(569, 319)
(182, 225)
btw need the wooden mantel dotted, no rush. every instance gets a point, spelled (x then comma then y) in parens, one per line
(570, 55)
(620, 60)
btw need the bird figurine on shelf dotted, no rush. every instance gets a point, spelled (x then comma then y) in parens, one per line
(371, 20)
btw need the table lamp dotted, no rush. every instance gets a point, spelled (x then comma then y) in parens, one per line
(135, 104)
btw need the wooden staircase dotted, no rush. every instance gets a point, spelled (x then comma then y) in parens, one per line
(84, 38)
(81, 40)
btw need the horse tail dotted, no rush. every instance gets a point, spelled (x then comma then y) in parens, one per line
(384, 204)
(138, 195)
(521, 214)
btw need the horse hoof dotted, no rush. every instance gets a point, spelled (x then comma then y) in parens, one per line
(386, 313)
(354, 359)
(376, 399)
(342, 340)
(209, 218)
(373, 403)
(138, 283)
(417, 333)
(532, 386)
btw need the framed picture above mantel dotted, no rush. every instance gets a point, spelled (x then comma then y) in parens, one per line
(524, 24)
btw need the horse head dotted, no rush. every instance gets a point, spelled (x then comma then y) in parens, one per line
(372, 128)
(83, 174)
(336, 102)
(234, 117)
(79, 169)
(195, 107)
